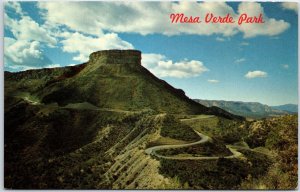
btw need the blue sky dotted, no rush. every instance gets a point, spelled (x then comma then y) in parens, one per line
(251, 62)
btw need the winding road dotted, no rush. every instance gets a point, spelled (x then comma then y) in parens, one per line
(153, 150)
(204, 139)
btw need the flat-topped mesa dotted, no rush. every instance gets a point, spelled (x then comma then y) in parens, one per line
(111, 57)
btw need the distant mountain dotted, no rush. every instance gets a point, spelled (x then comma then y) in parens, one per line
(288, 107)
(247, 109)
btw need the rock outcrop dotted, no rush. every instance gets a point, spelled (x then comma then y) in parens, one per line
(118, 57)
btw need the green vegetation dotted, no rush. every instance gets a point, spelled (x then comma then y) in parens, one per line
(228, 131)
(208, 149)
(120, 86)
(87, 127)
(211, 174)
(216, 174)
(279, 135)
(259, 171)
(67, 148)
(165, 141)
(173, 128)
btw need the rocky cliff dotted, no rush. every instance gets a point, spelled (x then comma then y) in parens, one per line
(117, 57)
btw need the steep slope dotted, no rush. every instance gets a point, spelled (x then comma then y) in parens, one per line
(247, 109)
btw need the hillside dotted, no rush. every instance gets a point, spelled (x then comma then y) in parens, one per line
(111, 79)
(279, 135)
(247, 109)
(110, 124)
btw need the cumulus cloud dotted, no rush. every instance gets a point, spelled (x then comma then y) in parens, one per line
(285, 66)
(150, 60)
(53, 66)
(220, 39)
(290, 6)
(24, 54)
(14, 6)
(27, 29)
(16, 51)
(213, 81)
(244, 44)
(85, 17)
(24, 50)
(84, 27)
(162, 67)
(24, 67)
(240, 60)
(271, 26)
(255, 74)
(84, 45)
(29, 36)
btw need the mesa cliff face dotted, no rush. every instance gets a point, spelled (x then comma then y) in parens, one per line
(117, 57)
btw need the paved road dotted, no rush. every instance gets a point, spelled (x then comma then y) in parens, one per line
(204, 139)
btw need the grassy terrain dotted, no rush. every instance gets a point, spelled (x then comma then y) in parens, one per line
(208, 149)
(228, 131)
(202, 123)
(46, 147)
(212, 174)
(262, 168)
(280, 135)
(165, 141)
(174, 129)
(118, 86)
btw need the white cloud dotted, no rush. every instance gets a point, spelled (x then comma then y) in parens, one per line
(27, 29)
(15, 6)
(162, 67)
(244, 44)
(52, 66)
(153, 17)
(72, 64)
(20, 53)
(285, 66)
(24, 50)
(220, 39)
(150, 60)
(290, 6)
(79, 16)
(85, 27)
(255, 74)
(84, 45)
(18, 67)
(271, 26)
(240, 60)
(213, 81)
(24, 67)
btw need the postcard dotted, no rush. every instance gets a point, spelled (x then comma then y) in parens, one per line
(150, 95)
